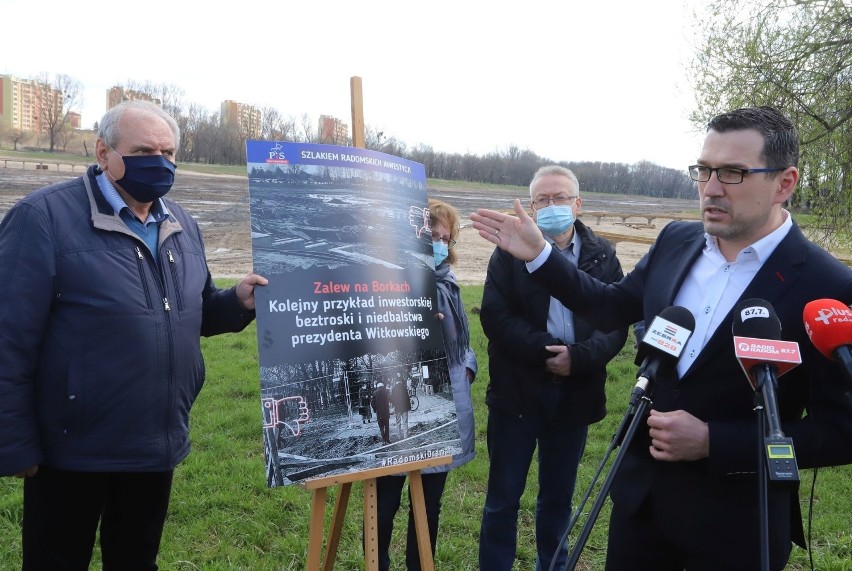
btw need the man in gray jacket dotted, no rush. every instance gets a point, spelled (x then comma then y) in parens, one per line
(104, 299)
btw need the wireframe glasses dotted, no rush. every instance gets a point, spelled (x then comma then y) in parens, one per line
(726, 175)
(445, 239)
(558, 200)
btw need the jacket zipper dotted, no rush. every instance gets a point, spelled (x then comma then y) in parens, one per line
(140, 260)
(173, 267)
(163, 291)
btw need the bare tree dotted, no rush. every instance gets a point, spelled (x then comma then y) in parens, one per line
(309, 132)
(16, 136)
(56, 97)
(273, 126)
(65, 135)
(168, 96)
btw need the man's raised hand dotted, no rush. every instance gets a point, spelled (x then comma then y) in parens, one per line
(519, 235)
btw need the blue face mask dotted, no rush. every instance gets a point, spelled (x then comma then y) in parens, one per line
(555, 220)
(441, 251)
(147, 177)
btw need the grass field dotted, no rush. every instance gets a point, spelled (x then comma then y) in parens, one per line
(223, 516)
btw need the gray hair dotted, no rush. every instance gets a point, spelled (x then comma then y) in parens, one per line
(108, 127)
(557, 170)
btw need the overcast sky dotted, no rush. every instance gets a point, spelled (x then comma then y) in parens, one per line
(571, 81)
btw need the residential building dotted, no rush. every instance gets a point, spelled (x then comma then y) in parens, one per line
(246, 118)
(22, 101)
(118, 94)
(332, 131)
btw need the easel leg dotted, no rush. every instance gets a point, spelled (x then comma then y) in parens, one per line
(421, 524)
(336, 526)
(316, 528)
(371, 530)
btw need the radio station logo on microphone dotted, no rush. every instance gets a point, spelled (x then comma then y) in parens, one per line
(834, 315)
(774, 349)
(753, 311)
(667, 336)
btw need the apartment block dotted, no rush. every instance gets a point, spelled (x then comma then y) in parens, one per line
(118, 94)
(246, 118)
(22, 101)
(332, 131)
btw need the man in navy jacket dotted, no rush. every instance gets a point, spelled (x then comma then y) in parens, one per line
(104, 297)
(686, 495)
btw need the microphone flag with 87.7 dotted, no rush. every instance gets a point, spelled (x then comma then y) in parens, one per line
(757, 340)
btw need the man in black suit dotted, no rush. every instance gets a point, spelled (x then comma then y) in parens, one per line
(686, 494)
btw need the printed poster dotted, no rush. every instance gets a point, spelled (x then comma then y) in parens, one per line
(348, 336)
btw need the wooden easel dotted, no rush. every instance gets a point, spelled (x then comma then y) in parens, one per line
(319, 489)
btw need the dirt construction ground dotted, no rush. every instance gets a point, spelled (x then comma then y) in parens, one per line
(220, 204)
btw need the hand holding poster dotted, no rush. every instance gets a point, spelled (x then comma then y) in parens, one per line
(343, 236)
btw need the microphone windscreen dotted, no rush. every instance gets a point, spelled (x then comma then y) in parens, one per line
(828, 323)
(667, 334)
(756, 318)
(679, 316)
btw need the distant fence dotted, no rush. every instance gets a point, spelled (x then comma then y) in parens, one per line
(598, 216)
(33, 164)
(615, 238)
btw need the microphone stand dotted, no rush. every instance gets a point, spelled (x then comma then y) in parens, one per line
(638, 418)
(776, 457)
(616, 438)
(762, 481)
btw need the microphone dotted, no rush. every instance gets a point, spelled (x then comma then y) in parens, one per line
(764, 357)
(828, 324)
(662, 344)
(757, 341)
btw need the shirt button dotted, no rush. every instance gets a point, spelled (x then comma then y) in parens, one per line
(706, 310)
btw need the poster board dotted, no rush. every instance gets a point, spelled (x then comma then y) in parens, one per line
(342, 235)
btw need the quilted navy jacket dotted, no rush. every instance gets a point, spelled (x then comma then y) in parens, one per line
(100, 357)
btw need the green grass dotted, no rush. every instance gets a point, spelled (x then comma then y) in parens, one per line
(223, 517)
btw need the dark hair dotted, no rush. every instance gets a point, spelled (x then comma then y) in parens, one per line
(780, 139)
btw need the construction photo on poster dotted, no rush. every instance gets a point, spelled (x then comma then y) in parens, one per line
(352, 368)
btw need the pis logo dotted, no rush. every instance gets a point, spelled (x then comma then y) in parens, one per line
(276, 153)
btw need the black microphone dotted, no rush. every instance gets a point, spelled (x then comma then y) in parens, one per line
(661, 346)
(760, 351)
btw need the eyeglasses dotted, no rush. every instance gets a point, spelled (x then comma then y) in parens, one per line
(558, 200)
(726, 175)
(445, 239)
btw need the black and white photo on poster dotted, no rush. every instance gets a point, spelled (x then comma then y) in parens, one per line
(349, 316)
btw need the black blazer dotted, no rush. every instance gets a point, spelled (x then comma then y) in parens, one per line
(712, 504)
(514, 318)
